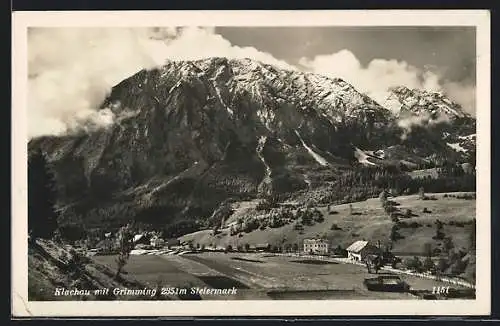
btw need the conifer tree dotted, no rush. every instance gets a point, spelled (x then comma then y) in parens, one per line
(42, 217)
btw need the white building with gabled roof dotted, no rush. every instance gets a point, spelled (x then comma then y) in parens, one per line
(360, 249)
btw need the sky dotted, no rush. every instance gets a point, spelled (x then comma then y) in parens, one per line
(71, 70)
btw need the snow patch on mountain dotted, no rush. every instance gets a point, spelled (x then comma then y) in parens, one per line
(321, 160)
(470, 137)
(457, 147)
(362, 157)
(260, 146)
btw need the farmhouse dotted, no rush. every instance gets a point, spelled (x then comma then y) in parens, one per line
(316, 246)
(157, 242)
(360, 249)
(141, 239)
(262, 247)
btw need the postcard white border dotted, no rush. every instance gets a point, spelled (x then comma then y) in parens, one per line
(21, 307)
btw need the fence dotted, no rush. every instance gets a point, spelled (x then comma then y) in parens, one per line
(449, 280)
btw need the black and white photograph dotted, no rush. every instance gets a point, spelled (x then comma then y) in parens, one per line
(231, 160)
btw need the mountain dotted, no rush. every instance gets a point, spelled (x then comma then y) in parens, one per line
(420, 102)
(192, 134)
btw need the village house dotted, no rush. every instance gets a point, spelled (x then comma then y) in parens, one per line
(316, 246)
(262, 247)
(157, 242)
(360, 249)
(141, 238)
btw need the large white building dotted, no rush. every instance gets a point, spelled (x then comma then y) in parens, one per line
(316, 246)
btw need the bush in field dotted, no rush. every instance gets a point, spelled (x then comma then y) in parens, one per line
(448, 245)
(317, 216)
(442, 264)
(428, 264)
(411, 225)
(466, 196)
(335, 227)
(298, 226)
(306, 217)
(395, 236)
(339, 251)
(439, 230)
(414, 264)
(250, 225)
(457, 267)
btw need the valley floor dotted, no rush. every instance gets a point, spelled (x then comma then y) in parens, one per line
(261, 276)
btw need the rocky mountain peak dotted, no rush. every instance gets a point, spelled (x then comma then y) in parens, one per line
(418, 102)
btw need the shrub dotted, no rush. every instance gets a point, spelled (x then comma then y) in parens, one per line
(439, 230)
(436, 251)
(448, 244)
(466, 196)
(414, 264)
(335, 227)
(306, 218)
(412, 225)
(442, 265)
(298, 226)
(428, 264)
(317, 216)
(415, 225)
(339, 251)
(408, 213)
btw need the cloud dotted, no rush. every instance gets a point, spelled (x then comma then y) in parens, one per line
(209, 44)
(407, 124)
(463, 94)
(380, 75)
(71, 70)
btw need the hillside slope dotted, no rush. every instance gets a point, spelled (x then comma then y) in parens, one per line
(367, 221)
(52, 267)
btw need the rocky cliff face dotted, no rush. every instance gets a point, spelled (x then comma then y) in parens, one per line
(190, 135)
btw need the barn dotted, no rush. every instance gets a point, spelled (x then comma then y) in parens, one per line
(360, 249)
